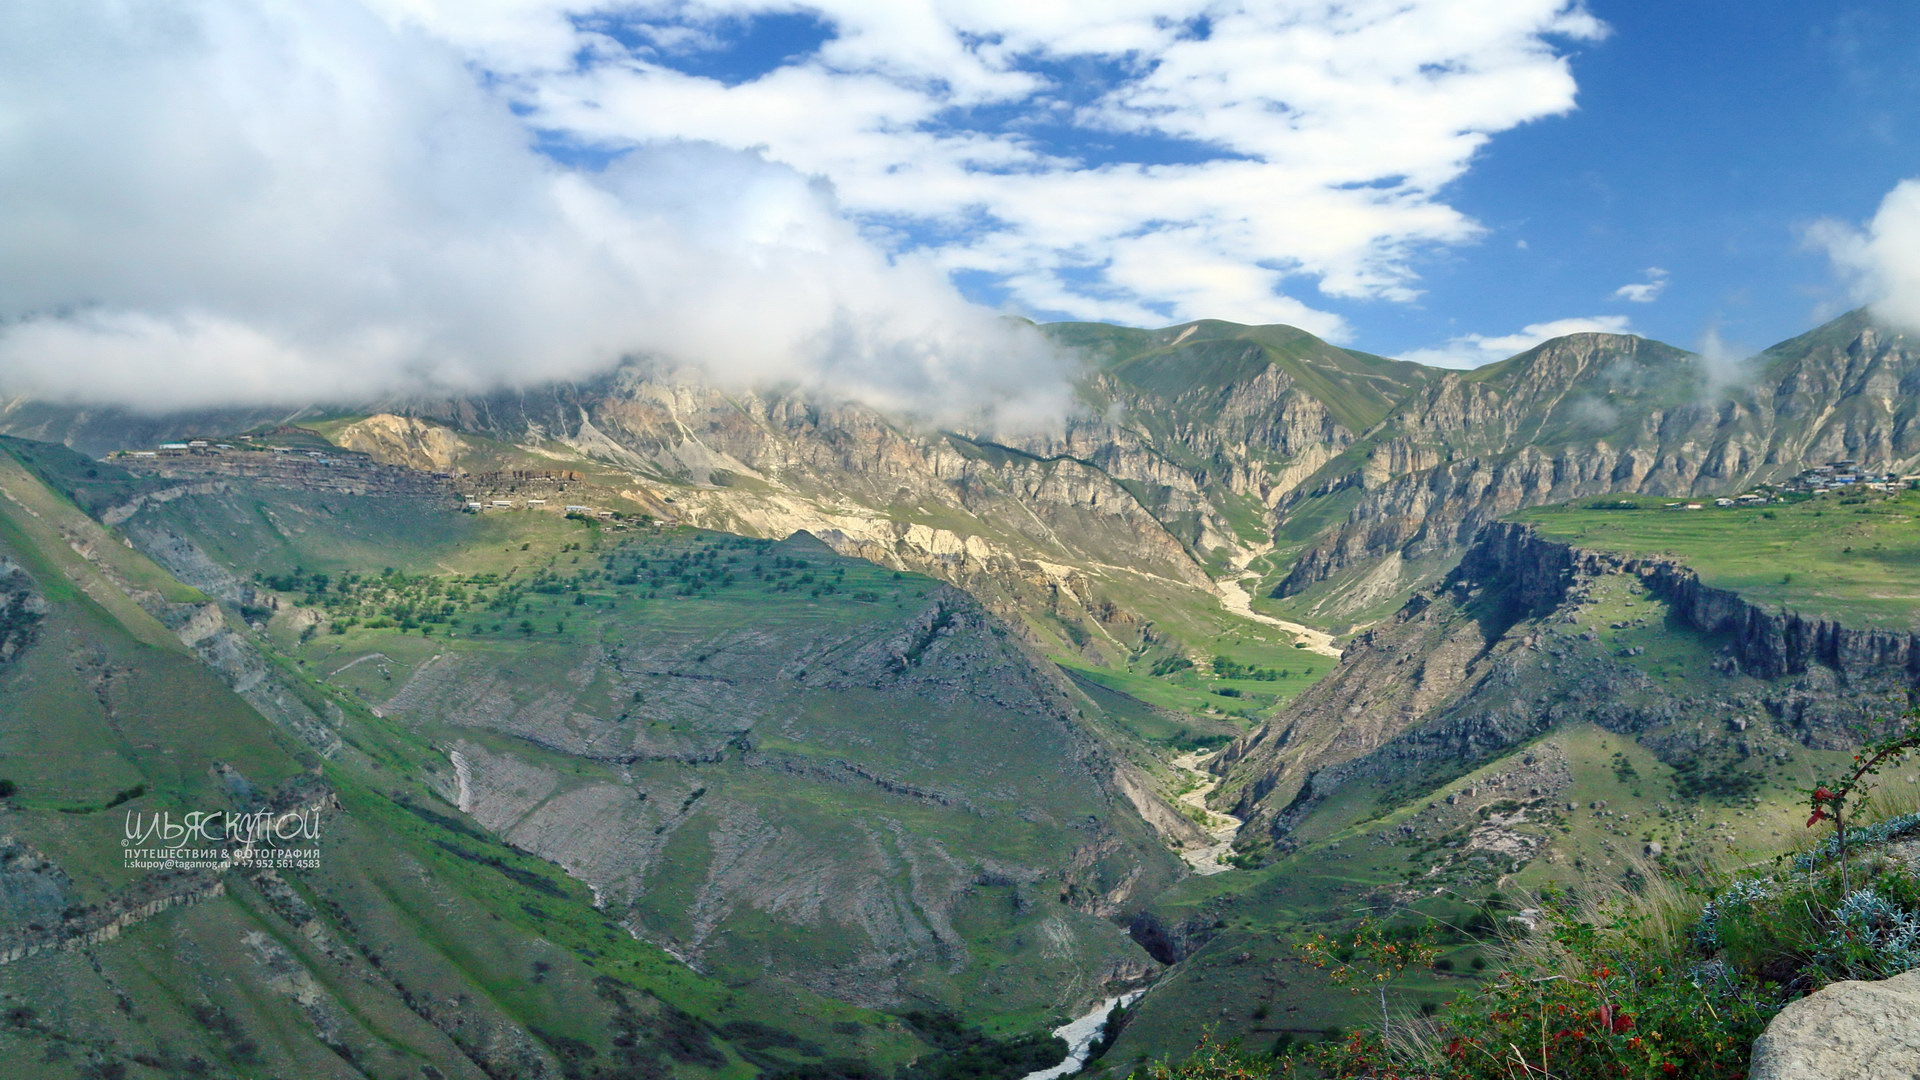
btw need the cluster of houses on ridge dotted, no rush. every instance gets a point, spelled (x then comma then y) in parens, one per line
(308, 464)
(478, 506)
(212, 449)
(176, 449)
(1841, 475)
(1845, 473)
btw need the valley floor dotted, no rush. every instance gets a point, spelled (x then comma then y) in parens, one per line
(1221, 827)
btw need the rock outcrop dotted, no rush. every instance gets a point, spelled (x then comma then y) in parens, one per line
(403, 440)
(1591, 414)
(21, 610)
(1505, 648)
(1850, 1030)
(1194, 448)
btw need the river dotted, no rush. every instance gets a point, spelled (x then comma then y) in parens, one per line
(1081, 1034)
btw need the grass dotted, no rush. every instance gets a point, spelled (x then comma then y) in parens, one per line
(1195, 627)
(411, 905)
(1851, 558)
(677, 648)
(1666, 974)
(1358, 388)
(68, 474)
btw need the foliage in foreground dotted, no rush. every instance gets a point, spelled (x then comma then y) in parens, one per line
(1650, 983)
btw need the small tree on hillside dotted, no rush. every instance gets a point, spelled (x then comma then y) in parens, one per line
(1829, 800)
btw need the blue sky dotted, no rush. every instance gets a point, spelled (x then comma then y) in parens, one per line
(1708, 137)
(1702, 142)
(344, 198)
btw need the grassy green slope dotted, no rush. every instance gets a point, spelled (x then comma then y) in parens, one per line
(792, 720)
(1854, 559)
(1246, 979)
(418, 944)
(1691, 764)
(1358, 388)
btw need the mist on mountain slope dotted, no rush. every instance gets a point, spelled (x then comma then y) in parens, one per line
(333, 208)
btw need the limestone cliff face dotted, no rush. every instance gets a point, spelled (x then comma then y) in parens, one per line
(1062, 522)
(1590, 414)
(403, 440)
(1848, 389)
(1231, 434)
(1193, 449)
(1507, 646)
(1777, 644)
(765, 457)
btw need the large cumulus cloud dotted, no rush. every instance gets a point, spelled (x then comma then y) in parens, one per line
(211, 201)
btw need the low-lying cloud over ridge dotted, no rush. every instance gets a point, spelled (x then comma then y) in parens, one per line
(216, 202)
(211, 201)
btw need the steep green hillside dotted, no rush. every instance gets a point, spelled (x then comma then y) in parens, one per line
(1571, 706)
(1211, 356)
(418, 945)
(788, 767)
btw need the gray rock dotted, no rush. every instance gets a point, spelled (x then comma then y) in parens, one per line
(1856, 1030)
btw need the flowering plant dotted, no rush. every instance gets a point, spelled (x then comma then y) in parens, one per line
(1829, 800)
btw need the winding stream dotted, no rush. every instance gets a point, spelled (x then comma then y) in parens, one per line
(1232, 591)
(1221, 827)
(1081, 1034)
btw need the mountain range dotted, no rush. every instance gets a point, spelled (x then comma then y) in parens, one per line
(665, 730)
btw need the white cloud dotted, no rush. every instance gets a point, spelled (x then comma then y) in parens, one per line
(1644, 292)
(211, 202)
(1331, 131)
(1475, 350)
(208, 198)
(1882, 260)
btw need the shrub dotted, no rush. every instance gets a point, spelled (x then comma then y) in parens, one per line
(1647, 984)
(1873, 937)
